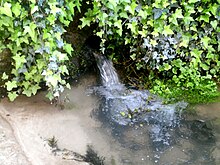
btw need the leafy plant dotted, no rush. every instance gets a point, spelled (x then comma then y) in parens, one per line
(173, 41)
(32, 30)
(168, 44)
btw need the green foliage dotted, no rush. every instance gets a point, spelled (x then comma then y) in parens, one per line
(176, 41)
(32, 30)
(173, 43)
(205, 92)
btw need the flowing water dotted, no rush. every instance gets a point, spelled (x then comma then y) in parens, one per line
(125, 126)
(150, 130)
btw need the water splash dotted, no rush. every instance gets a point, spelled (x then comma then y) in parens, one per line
(123, 106)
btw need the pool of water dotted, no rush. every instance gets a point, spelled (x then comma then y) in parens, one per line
(194, 141)
(77, 122)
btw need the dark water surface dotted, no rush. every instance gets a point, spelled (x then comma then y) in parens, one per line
(191, 137)
(146, 131)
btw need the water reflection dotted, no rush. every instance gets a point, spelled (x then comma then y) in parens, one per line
(149, 132)
(194, 140)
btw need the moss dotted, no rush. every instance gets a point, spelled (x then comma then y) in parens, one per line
(194, 97)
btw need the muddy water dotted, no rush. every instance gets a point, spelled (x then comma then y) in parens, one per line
(27, 123)
(34, 120)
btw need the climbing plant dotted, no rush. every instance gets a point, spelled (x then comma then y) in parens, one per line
(32, 30)
(175, 42)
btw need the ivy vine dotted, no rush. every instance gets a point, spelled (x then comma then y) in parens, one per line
(175, 42)
(170, 45)
(32, 30)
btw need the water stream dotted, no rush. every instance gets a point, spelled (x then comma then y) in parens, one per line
(126, 126)
(147, 128)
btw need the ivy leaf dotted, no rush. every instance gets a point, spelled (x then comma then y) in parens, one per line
(68, 48)
(193, 1)
(35, 88)
(4, 76)
(131, 7)
(26, 84)
(31, 31)
(204, 66)
(214, 9)
(132, 26)
(54, 10)
(153, 42)
(100, 33)
(155, 33)
(34, 9)
(12, 96)
(165, 4)
(205, 40)
(112, 4)
(85, 22)
(189, 84)
(157, 13)
(71, 6)
(68, 86)
(10, 85)
(167, 30)
(187, 19)
(19, 60)
(214, 24)
(193, 28)
(143, 14)
(28, 76)
(178, 63)
(123, 14)
(53, 80)
(6, 9)
(185, 41)
(123, 114)
(16, 9)
(178, 13)
(119, 25)
(61, 56)
(167, 66)
(50, 96)
(210, 55)
(27, 92)
(133, 56)
(196, 53)
(63, 69)
(204, 18)
(51, 18)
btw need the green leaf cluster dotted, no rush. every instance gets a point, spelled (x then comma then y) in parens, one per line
(32, 31)
(166, 44)
(175, 41)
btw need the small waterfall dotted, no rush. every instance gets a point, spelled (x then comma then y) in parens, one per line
(108, 74)
(122, 106)
(146, 128)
